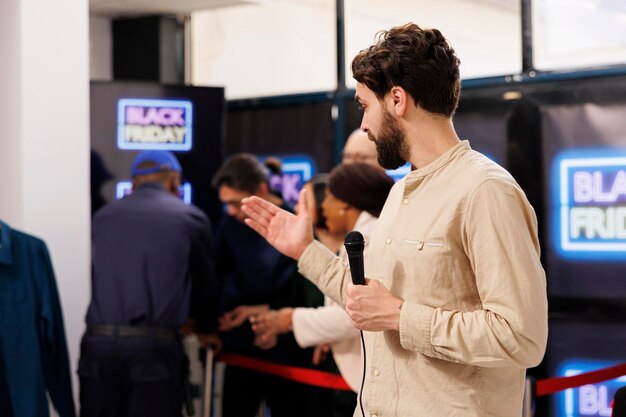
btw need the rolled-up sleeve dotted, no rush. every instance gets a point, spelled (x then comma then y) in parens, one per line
(326, 270)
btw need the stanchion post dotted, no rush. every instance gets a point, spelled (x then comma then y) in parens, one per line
(208, 383)
(529, 397)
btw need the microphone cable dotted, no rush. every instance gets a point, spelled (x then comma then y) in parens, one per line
(355, 244)
(363, 378)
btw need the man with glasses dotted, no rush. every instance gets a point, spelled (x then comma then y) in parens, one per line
(256, 277)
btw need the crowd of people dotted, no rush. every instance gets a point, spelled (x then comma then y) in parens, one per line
(156, 258)
(453, 310)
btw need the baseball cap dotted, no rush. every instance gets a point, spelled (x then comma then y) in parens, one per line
(163, 160)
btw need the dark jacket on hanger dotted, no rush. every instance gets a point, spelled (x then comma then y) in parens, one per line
(33, 350)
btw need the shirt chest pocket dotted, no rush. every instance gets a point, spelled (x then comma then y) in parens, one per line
(422, 269)
(421, 244)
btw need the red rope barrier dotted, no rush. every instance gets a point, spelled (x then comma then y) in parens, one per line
(552, 385)
(302, 375)
(327, 380)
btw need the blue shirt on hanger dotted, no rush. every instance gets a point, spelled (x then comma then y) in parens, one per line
(33, 350)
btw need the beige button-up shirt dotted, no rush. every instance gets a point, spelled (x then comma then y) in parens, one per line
(457, 240)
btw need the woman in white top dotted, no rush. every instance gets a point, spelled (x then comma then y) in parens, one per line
(354, 198)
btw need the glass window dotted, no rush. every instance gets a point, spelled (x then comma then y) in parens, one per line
(486, 34)
(570, 34)
(266, 49)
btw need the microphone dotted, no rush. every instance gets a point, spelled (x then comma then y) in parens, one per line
(355, 244)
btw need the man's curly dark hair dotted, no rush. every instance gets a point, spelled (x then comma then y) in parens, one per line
(421, 61)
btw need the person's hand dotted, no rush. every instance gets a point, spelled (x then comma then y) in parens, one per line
(238, 315)
(272, 322)
(320, 353)
(372, 307)
(290, 234)
(188, 327)
(213, 340)
(265, 341)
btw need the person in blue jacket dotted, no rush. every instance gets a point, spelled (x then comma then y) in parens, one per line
(33, 350)
(152, 271)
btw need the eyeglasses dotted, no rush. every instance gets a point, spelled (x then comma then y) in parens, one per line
(233, 203)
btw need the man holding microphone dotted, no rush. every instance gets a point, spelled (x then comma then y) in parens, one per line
(455, 309)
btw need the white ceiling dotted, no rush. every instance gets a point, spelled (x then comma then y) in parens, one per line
(158, 7)
(185, 7)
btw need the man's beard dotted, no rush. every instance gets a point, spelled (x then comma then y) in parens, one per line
(390, 143)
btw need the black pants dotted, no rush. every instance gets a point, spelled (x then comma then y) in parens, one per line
(244, 390)
(325, 402)
(131, 377)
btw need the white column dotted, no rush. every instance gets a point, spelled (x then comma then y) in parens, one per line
(44, 140)
(10, 143)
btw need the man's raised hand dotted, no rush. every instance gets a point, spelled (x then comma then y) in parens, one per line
(289, 233)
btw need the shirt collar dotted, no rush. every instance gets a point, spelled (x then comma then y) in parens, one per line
(414, 178)
(6, 255)
(150, 185)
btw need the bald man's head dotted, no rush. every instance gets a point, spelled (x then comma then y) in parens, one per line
(359, 148)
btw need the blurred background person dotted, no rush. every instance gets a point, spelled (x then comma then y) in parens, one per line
(353, 200)
(315, 189)
(320, 401)
(153, 269)
(360, 148)
(275, 175)
(256, 277)
(100, 175)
